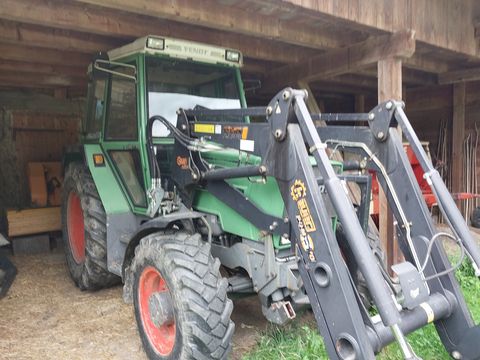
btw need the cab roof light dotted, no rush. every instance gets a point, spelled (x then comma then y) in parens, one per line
(156, 43)
(233, 56)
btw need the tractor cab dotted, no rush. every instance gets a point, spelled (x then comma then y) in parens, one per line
(154, 76)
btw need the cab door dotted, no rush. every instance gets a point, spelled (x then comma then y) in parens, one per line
(121, 135)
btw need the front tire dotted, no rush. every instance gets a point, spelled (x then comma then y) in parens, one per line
(85, 231)
(180, 299)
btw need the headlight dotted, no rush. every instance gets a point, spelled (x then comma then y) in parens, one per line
(155, 43)
(233, 56)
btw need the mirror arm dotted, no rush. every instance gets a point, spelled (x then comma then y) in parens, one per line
(100, 61)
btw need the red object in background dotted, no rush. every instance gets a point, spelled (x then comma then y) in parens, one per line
(424, 187)
(375, 203)
(418, 171)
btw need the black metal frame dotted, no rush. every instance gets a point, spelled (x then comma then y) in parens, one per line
(285, 143)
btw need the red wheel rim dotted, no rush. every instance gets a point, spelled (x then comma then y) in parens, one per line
(161, 338)
(76, 228)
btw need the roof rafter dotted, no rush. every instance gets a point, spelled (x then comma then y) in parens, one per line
(344, 60)
(40, 80)
(125, 27)
(40, 36)
(43, 56)
(205, 13)
(33, 67)
(456, 76)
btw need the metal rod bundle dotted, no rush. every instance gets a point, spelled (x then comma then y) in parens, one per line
(470, 183)
(442, 156)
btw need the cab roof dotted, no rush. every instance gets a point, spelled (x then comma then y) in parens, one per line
(181, 49)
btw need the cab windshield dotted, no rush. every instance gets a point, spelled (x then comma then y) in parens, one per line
(174, 84)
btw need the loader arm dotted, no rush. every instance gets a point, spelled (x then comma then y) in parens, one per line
(286, 143)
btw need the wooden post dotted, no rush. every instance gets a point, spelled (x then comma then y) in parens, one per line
(359, 105)
(458, 134)
(389, 87)
(312, 104)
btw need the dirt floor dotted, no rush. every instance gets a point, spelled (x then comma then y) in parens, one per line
(44, 316)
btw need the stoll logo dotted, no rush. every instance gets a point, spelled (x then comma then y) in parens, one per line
(298, 192)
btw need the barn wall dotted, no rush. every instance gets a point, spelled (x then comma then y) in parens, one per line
(428, 107)
(33, 127)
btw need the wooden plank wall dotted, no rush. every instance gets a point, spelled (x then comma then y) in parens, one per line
(33, 128)
(443, 23)
(427, 107)
(42, 136)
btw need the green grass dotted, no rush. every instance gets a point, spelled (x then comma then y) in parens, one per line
(302, 342)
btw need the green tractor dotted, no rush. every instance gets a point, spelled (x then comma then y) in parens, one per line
(125, 223)
(187, 196)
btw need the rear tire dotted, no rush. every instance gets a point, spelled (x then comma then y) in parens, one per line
(180, 267)
(85, 231)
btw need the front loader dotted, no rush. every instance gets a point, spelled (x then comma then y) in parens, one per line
(188, 196)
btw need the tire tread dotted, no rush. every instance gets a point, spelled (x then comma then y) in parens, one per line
(207, 327)
(93, 274)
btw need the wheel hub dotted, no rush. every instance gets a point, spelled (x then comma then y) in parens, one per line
(156, 311)
(161, 309)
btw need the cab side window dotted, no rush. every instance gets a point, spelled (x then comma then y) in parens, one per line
(96, 107)
(122, 110)
(129, 166)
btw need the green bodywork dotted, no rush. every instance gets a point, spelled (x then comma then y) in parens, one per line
(116, 199)
(265, 195)
(111, 193)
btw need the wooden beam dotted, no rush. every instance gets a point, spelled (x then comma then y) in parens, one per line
(426, 63)
(409, 76)
(39, 80)
(458, 134)
(39, 36)
(418, 77)
(457, 76)
(38, 90)
(32, 67)
(389, 87)
(259, 67)
(126, 27)
(233, 19)
(344, 60)
(330, 87)
(389, 79)
(443, 24)
(33, 221)
(73, 17)
(43, 56)
(347, 84)
(355, 80)
(312, 104)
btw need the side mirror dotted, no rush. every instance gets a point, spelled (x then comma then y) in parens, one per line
(101, 68)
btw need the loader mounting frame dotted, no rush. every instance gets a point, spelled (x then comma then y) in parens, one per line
(285, 144)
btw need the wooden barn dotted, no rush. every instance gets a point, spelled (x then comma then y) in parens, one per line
(350, 56)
